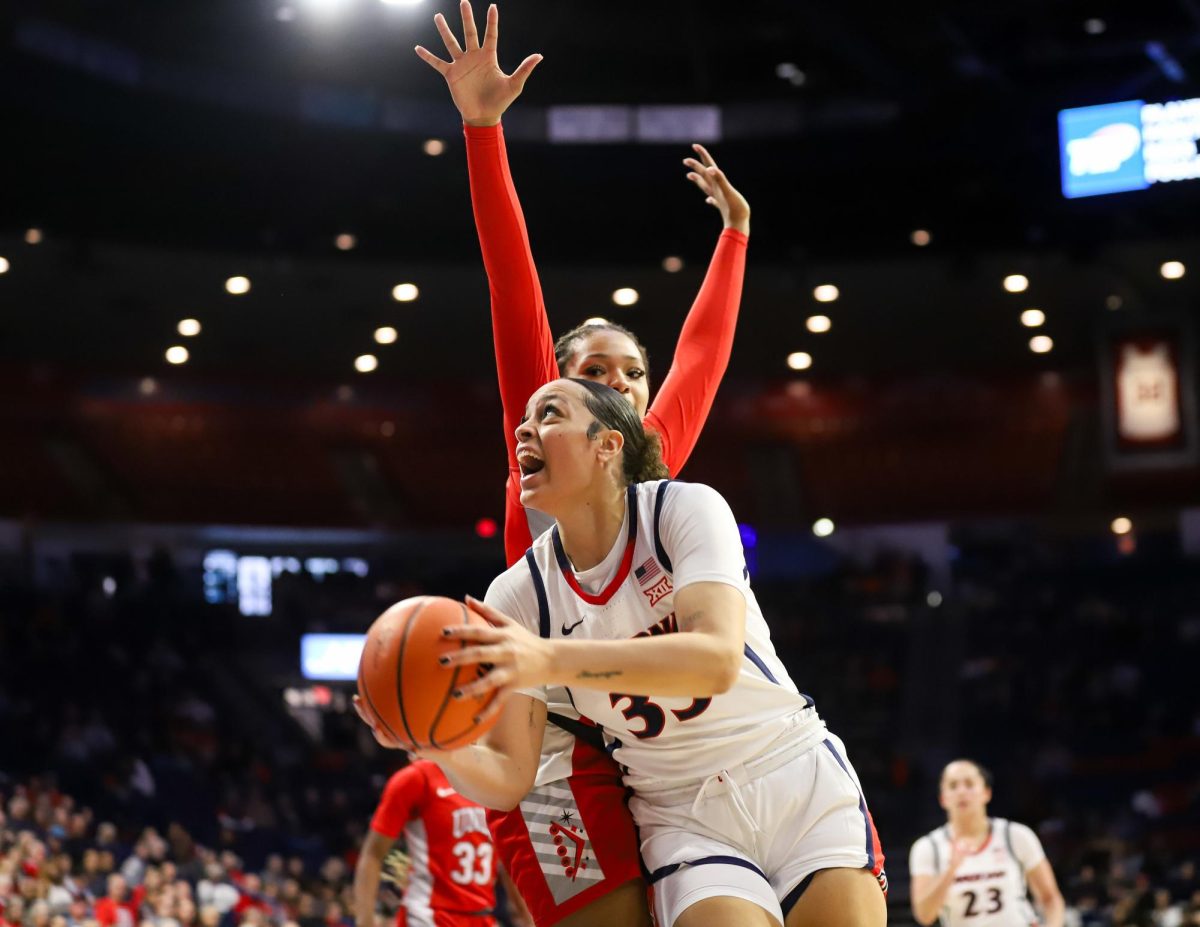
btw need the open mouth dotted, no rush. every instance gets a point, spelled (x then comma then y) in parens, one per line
(529, 463)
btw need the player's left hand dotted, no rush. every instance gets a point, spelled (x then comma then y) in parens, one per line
(517, 658)
(718, 191)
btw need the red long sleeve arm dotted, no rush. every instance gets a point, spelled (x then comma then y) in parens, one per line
(520, 330)
(681, 407)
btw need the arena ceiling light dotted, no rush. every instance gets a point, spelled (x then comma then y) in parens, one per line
(1172, 270)
(385, 334)
(1041, 344)
(1016, 283)
(405, 292)
(3, 265)
(818, 324)
(177, 354)
(433, 147)
(148, 386)
(826, 293)
(1033, 318)
(625, 296)
(799, 360)
(596, 320)
(237, 286)
(1121, 525)
(920, 237)
(189, 328)
(823, 527)
(345, 242)
(33, 236)
(672, 264)
(366, 363)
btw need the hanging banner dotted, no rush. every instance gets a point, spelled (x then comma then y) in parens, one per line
(1149, 396)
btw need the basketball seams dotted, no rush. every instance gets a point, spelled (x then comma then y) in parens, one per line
(470, 732)
(422, 692)
(365, 692)
(410, 620)
(437, 717)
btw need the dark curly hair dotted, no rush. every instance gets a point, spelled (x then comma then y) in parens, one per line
(565, 346)
(642, 456)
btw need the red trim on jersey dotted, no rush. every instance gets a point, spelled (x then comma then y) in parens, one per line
(607, 592)
(983, 846)
(876, 846)
(525, 345)
(568, 572)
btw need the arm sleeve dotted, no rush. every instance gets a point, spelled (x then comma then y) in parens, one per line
(503, 596)
(523, 340)
(681, 407)
(402, 797)
(701, 536)
(1025, 845)
(920, 858)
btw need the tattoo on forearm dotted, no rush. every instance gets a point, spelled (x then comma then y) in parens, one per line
(603, 674)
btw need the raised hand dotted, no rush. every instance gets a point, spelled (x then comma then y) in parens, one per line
(718, 191)
(480, 90)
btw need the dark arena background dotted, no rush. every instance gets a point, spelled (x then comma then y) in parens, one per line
(249, 396)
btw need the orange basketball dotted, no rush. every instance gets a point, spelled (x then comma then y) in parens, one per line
(406, 690)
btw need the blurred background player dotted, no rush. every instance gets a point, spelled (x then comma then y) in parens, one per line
(977, 871)
(578, 797)
(449, 873)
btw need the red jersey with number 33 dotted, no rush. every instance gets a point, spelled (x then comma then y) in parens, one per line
(447, 838)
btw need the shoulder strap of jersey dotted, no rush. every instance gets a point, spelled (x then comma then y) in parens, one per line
(1009, 844)
(659, 550)
(539, 589)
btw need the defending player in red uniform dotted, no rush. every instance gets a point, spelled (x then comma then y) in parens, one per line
(578, 805)
(452, 868)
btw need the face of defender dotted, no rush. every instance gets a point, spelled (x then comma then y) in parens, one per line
(561, 448)
(963, 789)
(614, 359)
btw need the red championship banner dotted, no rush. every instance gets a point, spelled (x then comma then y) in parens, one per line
(1148, 396)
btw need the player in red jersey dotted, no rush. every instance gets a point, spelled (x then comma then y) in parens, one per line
(452, 868)
(571, 846)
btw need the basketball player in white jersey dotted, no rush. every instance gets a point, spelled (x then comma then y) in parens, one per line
(976, 871)
(638, 601)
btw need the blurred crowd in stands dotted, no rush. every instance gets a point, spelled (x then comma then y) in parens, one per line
(151, 774)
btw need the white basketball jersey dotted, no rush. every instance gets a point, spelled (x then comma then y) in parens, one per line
(989, 887)
(661, 739)
(1147, 395)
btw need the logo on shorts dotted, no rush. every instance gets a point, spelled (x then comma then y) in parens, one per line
(567, 839)
(560, 841)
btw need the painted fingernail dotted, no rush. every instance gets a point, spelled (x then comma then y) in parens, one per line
(445, 632)
(443, 659)
(457, 693)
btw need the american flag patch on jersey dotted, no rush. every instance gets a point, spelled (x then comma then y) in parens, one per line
(647, 571)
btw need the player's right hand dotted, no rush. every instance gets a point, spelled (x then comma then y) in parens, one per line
(481, 91)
